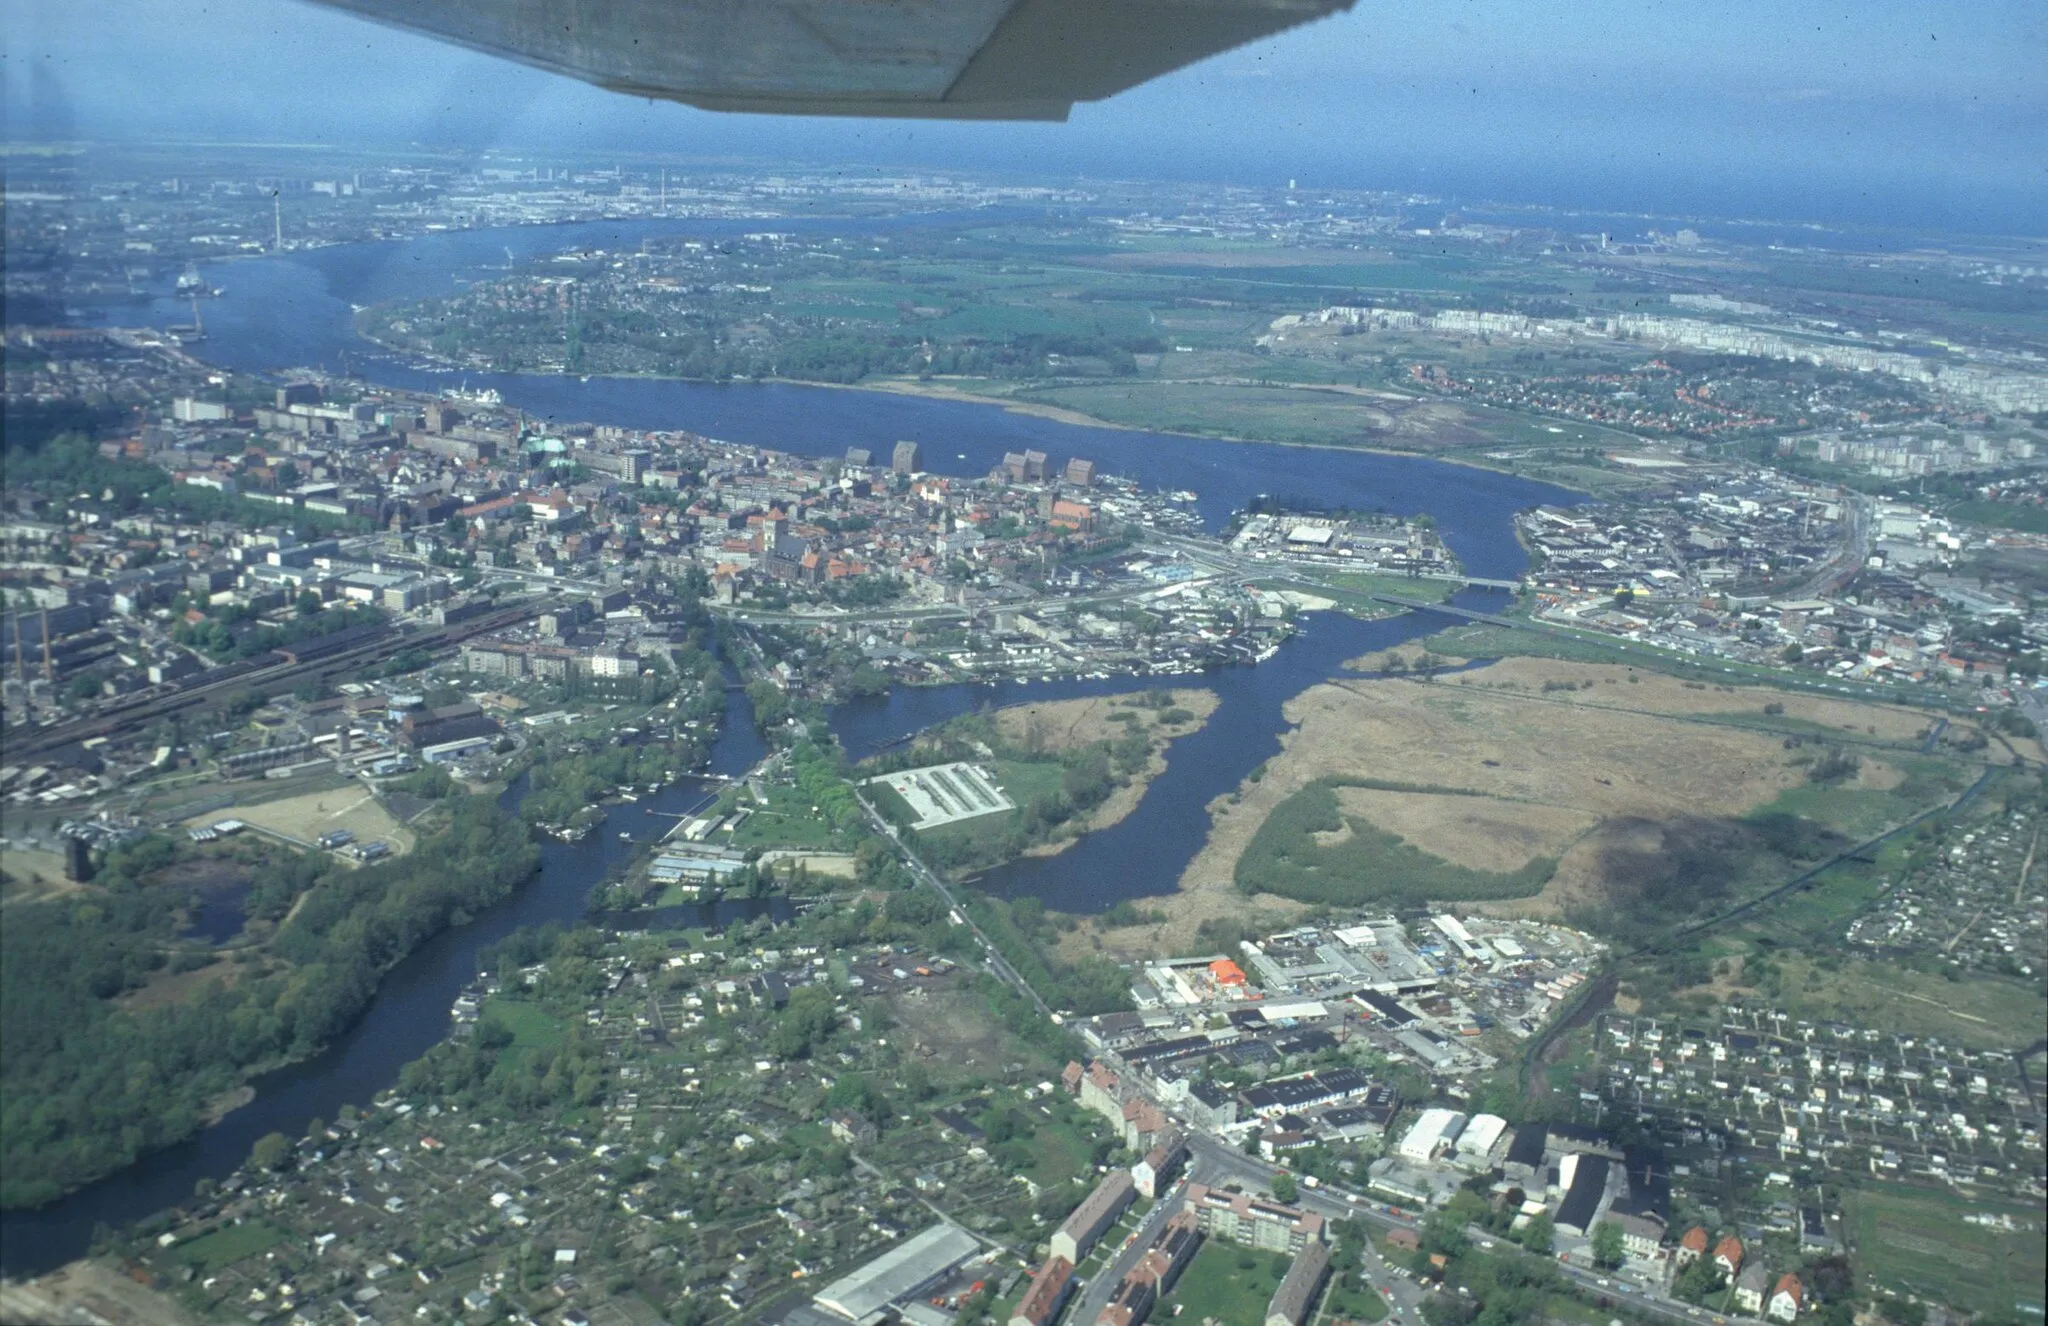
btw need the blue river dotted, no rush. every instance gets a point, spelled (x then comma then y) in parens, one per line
(295, 311)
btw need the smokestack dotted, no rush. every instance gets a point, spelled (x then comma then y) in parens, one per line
(49, 663)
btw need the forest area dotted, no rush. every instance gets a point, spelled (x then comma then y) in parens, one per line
(88, 1086)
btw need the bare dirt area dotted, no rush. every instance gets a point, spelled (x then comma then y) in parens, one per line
(32, 875)
(948, 1026)
(1593, 773)
(1478, 833)
(839, 865)
(305, 818)
(87, 1292)
(1178, 929)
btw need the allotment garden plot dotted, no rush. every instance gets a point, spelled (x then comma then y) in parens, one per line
(946, 793)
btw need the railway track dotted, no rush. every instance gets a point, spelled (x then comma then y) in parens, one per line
(263, 675)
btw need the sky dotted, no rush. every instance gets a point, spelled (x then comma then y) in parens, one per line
(1887, 112)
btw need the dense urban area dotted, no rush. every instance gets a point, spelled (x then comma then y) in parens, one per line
(1654, 934)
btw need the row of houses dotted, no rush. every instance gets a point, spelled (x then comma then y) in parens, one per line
(1754, 1291)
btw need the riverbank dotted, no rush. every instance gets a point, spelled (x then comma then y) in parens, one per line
(1527, 787)
(1068, 725)
(936, 390)
(929, 389)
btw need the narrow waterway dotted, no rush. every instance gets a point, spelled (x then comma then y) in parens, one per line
(296, 310)
(1144, 854)
(410, 1014)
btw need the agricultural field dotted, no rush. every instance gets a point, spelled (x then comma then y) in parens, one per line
(1916, 1242)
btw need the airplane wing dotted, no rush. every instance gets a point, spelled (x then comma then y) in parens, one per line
(938, 59)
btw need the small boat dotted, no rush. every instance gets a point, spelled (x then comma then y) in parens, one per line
(627, 836)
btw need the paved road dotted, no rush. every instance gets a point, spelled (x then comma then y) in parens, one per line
(997, 964)
(1220, 1164)
(1094, 1295)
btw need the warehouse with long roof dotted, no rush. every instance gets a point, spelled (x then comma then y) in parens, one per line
(899, 1273)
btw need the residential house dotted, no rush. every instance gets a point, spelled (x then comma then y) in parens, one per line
(1047, 1294)
(1750, 1286)
(1785, 1298)
(1298, 1289)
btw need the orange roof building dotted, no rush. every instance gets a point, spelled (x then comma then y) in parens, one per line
(1784, 1300)
(1047, 1295)
(1728, 1252)
(1694, 1245)
(1227, 972)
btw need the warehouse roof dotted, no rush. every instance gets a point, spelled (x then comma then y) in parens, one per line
(899, 1272)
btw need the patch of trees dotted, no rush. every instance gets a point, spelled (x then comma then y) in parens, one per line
(233, 632)
(561, 786)
(818, 777)
(1286, 858)
(69, 462)
(1834, 765)
(1026, 936)
(87, 1086)
(1659, 873)
(867, 591)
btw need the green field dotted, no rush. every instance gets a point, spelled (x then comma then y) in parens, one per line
(1351, 1299)
(1231, 1284)
(229, 1244)
(2002, 515)
(531, 1027)
(1263, 414)
(1390, 275)
(788, 820)
(1917, 1243)
(1027, 781)
(1992, 1011)
(1059, 1151)
(1370, 866)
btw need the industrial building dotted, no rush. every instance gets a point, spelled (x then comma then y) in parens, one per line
(1435, 1129)
(899, 1273)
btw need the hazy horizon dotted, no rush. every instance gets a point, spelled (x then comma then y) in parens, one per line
(1908, 115)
